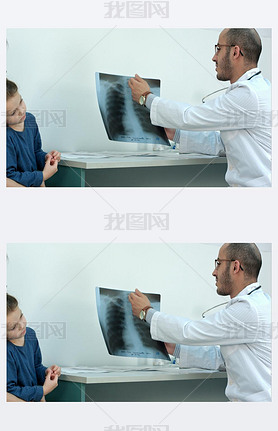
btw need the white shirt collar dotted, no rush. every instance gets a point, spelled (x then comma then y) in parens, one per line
(248, 74)
(248, 289)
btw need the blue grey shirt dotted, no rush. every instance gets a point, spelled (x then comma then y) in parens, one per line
(25, 372)
(25, 157)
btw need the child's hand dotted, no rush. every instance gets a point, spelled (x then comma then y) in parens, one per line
(54, 156)
(49, 169)
(54, 370)
(49, 383)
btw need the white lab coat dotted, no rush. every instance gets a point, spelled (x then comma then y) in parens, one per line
(238, 123)
(238, 337)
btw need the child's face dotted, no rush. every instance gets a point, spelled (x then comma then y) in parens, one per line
(15, 110)
(16, 325)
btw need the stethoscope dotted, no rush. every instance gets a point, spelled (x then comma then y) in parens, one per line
(224, 303)
(222, 89)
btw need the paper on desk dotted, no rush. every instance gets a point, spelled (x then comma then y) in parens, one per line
(106, 154)
(115, 369)
(81, 370)
(125, 120)
(124, 334)
(79, 155)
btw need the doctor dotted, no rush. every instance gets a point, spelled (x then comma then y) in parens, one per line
(237, 337)
(237, 123)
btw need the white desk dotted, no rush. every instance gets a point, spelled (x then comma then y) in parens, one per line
(164, 383)
(159, 169)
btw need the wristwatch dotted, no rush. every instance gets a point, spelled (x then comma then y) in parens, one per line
(143, 312)
(142, 99)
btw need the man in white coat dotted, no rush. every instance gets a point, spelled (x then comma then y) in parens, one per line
(237, 123)
(237, 338)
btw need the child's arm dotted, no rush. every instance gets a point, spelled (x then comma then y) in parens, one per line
(39, 153)
(50, 383)
(42, 156)
(50, 168)
(39, 367)
(26, 393)
(27, 179)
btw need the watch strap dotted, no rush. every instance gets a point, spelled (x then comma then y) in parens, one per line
(145, 96)
(146, 93)
(145, 309)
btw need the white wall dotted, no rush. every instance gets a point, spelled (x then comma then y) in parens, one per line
(56, 283)
(55, 70)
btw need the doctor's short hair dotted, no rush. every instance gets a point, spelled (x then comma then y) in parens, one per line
(249, 256)
(248, 40)
(11, 90)
(12, 303)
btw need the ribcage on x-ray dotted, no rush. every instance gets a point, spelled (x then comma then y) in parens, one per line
(115, 110)
(124, 331)
(143, 116)
(143, 334)
(115, 321)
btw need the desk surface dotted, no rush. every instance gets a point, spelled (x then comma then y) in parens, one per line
(105, 160)
(138, 374)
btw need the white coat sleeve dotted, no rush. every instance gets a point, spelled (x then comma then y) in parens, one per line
(201, 142)
(207, 357)
(237, 109)
(236, 324)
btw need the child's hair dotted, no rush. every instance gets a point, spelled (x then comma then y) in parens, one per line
(11, 89)
(11, 303)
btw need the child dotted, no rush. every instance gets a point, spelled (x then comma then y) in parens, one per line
(27, 164)
(27, 378)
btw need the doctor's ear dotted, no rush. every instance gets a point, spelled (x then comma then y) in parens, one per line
(237, 266)
(237, 51)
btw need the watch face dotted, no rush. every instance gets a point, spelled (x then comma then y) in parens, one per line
(142, 100)
(142, 314)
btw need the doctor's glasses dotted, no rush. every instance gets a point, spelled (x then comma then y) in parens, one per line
(218, 47)
(217, 262)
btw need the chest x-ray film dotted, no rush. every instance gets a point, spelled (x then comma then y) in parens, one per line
(124, 119)
(125, 334)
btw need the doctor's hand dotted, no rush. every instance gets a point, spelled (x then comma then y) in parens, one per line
(170, 347)
(138, 87)
(138, 301)
(170, 133)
